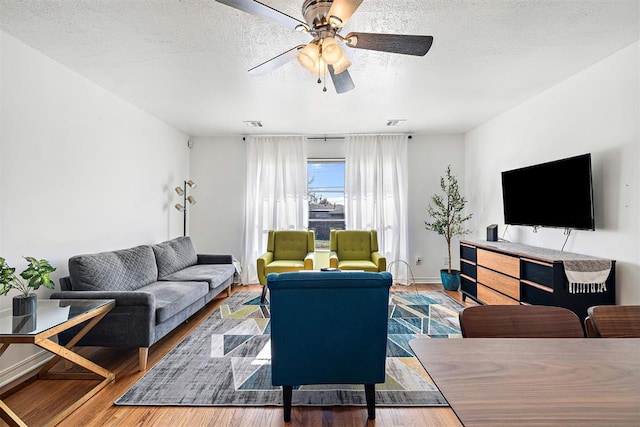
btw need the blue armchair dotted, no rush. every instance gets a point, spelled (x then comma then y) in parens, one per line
(328, 328)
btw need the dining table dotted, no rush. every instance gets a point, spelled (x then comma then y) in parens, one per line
(536, 381)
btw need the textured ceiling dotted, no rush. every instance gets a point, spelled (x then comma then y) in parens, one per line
(185, 61)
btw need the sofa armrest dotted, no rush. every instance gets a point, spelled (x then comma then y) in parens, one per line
(333, 259)
(214, 259)
(123, 298)
(379, 260)
(262, 261)
(131, 323)
(310, 261)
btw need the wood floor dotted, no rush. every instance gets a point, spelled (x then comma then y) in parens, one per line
(37, 401)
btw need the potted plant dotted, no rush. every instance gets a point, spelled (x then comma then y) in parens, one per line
(447, 219)
(35, 275)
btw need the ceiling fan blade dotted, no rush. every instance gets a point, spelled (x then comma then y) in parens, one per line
(278, 61)
(256, 8)
(343, 9)
(394, 43)
(342, 82)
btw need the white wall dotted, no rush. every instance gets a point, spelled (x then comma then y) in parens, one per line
(218, 165)
(429, 156)
(595, 111)
(80, 169)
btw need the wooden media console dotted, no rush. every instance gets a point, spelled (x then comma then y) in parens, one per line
(513, 273)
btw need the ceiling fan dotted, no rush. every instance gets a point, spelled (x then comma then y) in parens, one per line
(324, 20)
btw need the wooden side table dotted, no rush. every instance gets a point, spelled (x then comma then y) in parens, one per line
(52, 317)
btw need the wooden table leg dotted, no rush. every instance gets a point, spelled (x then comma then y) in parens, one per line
(6, 413)
(9, 416)
(75, 358)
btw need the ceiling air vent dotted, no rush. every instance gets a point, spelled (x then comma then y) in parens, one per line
(394, 122)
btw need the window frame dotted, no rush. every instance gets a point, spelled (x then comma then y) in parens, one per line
(323, 244)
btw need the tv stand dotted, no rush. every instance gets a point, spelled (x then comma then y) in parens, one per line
(513, 273)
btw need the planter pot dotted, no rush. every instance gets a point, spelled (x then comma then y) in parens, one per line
(450, 281)
(24, 324)
(25, 305)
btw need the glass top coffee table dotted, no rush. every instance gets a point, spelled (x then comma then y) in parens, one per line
(52, 317)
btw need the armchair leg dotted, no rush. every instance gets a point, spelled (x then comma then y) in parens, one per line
(287, 392)
(370, 396)
(264, 294)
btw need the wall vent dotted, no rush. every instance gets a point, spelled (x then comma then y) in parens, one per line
(395, 122)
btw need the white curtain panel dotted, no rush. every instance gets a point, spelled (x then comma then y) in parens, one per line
(276, 193)
(376, 192)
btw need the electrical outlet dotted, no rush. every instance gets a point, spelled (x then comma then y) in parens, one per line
(418, 260)
(446, 261)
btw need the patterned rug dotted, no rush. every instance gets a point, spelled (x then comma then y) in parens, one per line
(226, 360)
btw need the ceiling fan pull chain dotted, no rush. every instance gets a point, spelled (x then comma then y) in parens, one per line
(324, 76)
(319, 62)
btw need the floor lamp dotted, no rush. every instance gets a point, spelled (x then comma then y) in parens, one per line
(186, 201)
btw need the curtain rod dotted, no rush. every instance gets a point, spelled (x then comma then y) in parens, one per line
(326, 138)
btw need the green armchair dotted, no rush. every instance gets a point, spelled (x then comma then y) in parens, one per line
(355, 250)
(287, 250)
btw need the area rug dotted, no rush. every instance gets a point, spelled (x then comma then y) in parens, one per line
(226, 360)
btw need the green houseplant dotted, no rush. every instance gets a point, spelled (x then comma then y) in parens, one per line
(35, 275)
(447, 218)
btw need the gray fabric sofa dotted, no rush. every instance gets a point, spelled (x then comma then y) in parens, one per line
(156, 288)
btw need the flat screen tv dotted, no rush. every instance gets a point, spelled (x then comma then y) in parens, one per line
(552, 194)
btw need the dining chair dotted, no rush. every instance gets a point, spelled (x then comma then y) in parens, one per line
(588, 327)
(519, 321)
(615, 321)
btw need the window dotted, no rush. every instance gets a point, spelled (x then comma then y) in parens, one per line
(325, 188)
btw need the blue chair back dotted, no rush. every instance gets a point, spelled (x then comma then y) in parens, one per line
(328, 327)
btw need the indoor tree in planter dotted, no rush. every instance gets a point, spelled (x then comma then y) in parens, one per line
(35, 275)
(447, 219)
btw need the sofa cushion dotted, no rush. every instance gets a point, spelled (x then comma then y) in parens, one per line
(214, 274)
(174, 255)
(122, 270)
(358, 265)
(173, 297)
(283, 266)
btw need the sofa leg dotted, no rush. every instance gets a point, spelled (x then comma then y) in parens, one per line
(264, 294)
(370, 396)
(287, 392)
(143, 356)
(229, 291)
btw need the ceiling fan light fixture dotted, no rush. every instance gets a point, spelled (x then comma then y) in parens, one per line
(342, 64)
(341, 11)
(319, 66)
(308, 56)
(335, 22)
(331, 50)
(305, 61)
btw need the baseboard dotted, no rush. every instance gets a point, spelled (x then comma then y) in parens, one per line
(421, 281)
(20, 372)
